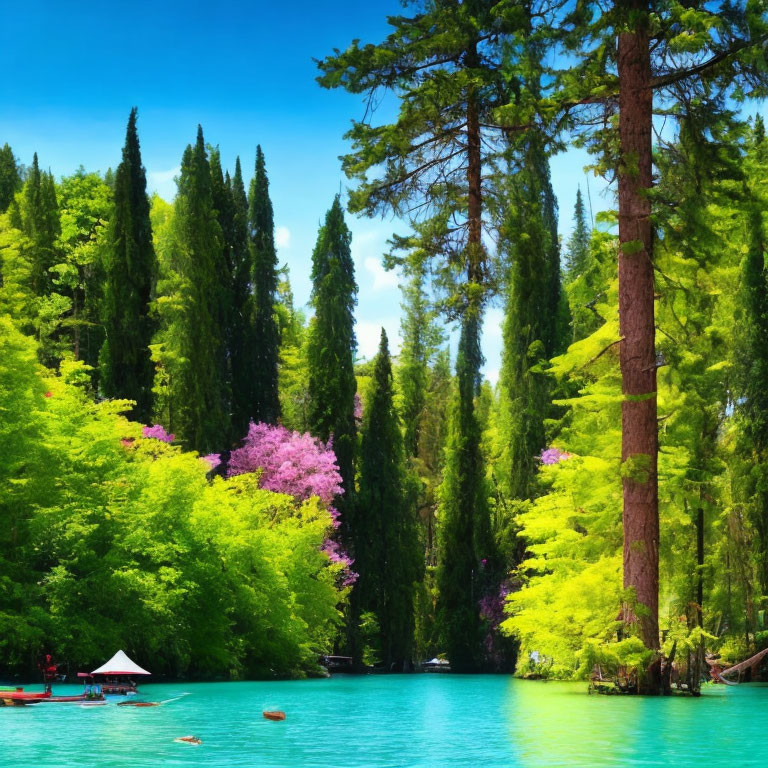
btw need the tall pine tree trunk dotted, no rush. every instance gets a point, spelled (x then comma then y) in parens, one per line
(462, 526)
(636, 312)
(475, 194)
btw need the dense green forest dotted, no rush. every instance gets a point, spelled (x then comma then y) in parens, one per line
(195, 469)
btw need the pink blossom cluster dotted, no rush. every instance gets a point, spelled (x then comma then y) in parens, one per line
(292, 463)
(213, 459)
(358, 408)
(298, 465)
(553, 456)
(157, 432)
(337, 555)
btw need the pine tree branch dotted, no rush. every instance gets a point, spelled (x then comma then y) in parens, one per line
(670, 78)
(602, 352)
(426, 166)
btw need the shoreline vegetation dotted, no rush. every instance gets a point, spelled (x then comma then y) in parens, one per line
(197, 470)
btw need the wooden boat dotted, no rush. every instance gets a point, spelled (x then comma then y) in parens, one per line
(273, 714)
(67, 699)
(139, 703)
(21, 698)
(26, 695)
(16, 702)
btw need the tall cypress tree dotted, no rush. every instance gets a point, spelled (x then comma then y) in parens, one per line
(578, 243)
(332, 385)
(10, 181)
(126, 369)
(531, 328)
(387, 552)
(266, 403)
(556, 317)
(202, 412)
(758, 134)
(753, 374)
(421, 340)
(332, 343)
(224, 205)
(242, 344)
(39, 220)
(466, 552)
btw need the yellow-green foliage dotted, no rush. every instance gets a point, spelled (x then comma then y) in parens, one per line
(113, 540)
(572, 576)
(568, 607)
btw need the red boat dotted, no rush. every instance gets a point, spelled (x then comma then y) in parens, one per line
(25, 696)
(67, 699)
(21, 698)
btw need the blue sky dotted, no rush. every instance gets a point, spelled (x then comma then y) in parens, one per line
(244, 70)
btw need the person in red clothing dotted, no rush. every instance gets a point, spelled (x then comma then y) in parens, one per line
(49, 669)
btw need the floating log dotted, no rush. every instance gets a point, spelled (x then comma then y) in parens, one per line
(749, 663)
(273, 714)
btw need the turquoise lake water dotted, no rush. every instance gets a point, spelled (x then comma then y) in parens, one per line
(394, 721)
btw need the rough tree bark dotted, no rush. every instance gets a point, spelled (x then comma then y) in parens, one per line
(474, 185)
(636, 316)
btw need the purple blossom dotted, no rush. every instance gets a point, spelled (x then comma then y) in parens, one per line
(358, 408)
(553, 456)
(350, 577)
(213, 459)
(290, 462)
(298, 465)
(339, 556)
(492, 606)
(492, 612)
(157, 432)
(335, 553)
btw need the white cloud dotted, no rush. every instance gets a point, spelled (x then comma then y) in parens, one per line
(369, 335)
(382, 279)
(163, 182)
(283, 237)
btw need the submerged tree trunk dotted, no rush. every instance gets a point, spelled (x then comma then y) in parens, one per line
(697, 660)
(637, 356)
(700, 565)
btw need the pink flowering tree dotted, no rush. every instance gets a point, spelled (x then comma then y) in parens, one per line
(553, 456)
(298, 465)
(213, 459)
(157, 432)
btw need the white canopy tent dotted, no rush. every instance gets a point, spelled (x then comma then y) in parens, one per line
(120, 664)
